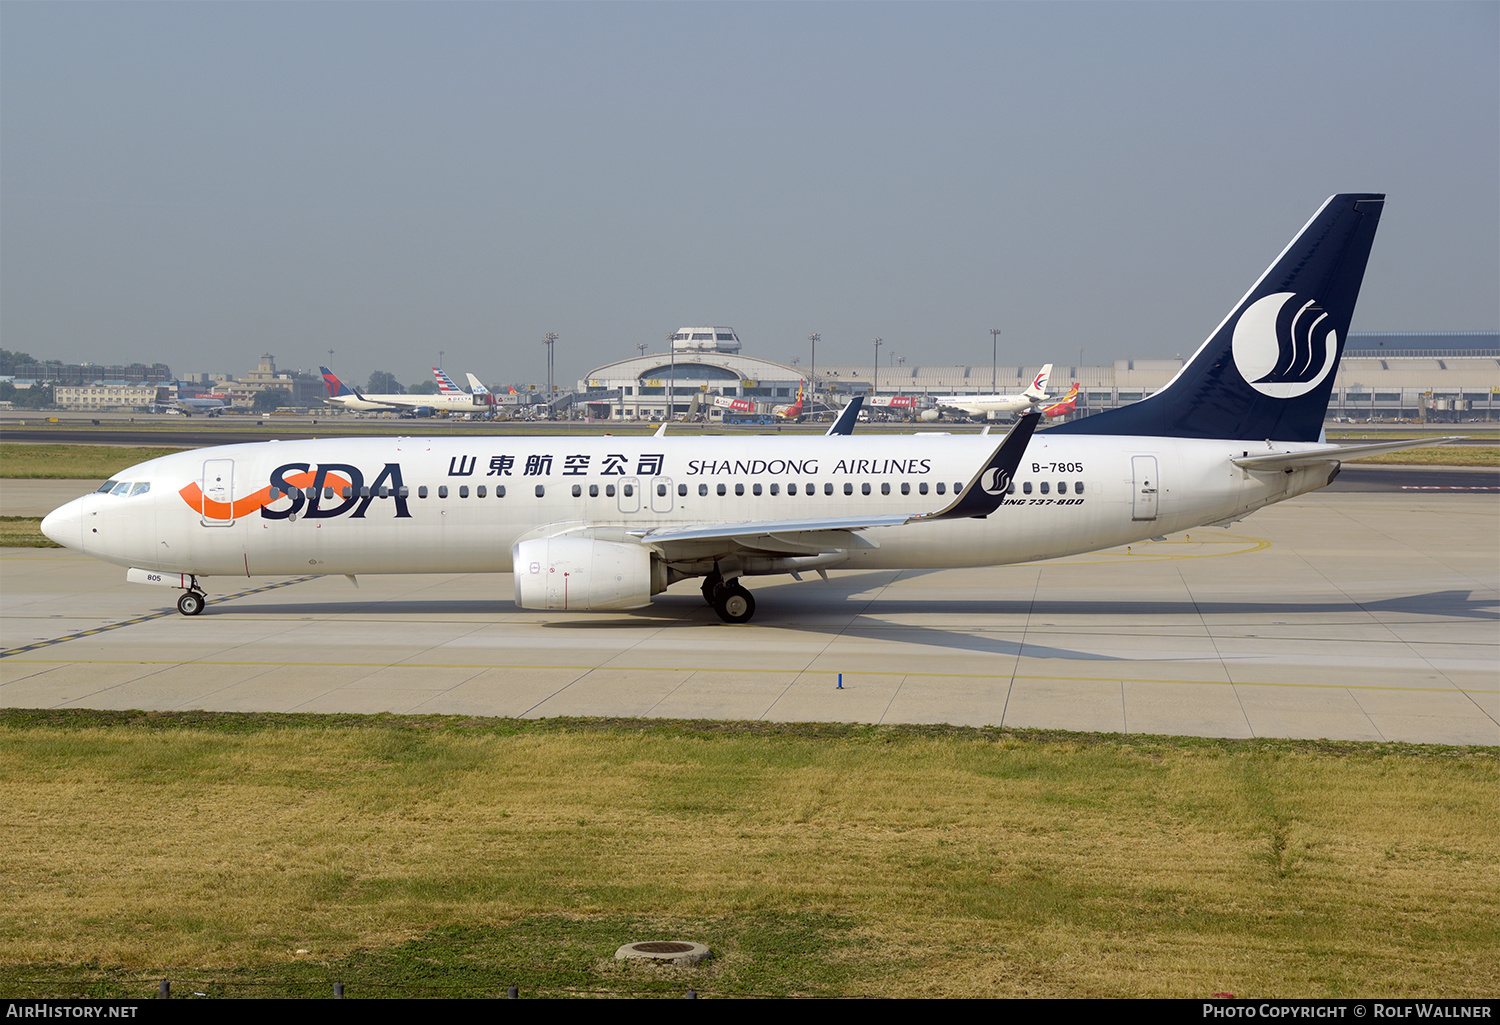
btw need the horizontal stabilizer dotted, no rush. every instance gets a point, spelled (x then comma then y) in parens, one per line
(1332, 454)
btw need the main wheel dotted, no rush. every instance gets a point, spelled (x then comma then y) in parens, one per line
(733, 603)
(711, 583)
(191, 603)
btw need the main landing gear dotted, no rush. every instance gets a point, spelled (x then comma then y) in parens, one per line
(729, 599)
(192, 601)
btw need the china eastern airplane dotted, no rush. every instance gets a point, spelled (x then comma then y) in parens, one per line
(607, 522)
(984, 405)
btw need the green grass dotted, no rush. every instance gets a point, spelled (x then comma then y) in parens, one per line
(24, 532)
(406, 856)
(72, 462)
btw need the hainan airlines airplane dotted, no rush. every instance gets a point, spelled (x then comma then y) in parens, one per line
(984, 405)
(607, 522)
(1067, 404)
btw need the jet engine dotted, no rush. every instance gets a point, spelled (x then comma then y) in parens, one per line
(930, 415)
(580, 573)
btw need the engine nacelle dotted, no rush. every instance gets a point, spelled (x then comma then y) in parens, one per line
(579, 573)
(930, 415)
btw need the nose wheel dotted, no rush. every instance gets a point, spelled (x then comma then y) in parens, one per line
(191, 603)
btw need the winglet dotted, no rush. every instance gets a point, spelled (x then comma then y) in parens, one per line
(846, 419)
(986, 490)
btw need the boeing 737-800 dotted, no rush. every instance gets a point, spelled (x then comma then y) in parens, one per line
(607, 522)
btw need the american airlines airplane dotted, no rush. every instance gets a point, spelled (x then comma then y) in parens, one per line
(984, 405)
(607, 522)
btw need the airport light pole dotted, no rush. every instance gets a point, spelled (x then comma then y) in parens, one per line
(813, 372)
(640, 348)
(994, 360)
(875, 386)
(672, 363)
(548, 342)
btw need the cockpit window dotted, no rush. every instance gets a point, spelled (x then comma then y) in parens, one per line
(140, 488)
(122, 488)
(106, 487)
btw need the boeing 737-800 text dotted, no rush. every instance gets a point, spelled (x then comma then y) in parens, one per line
(607, 522)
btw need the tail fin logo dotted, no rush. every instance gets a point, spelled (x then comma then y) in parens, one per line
(1284, 345)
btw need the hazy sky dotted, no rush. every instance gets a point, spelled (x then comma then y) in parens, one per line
(199, 183)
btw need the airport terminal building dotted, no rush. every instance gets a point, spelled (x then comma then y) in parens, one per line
(1423, 376)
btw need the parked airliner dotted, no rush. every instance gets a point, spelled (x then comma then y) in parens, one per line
(607, 522)
(986, 405)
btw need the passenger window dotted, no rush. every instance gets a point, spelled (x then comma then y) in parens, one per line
(499, 490)
(661, 491)
(385, 492)
(941, 488)
(403, 491)
(479, 492)
(721, 491)
(629, 490)
(541, 490)
(702, 490)
(864, 489)
(775, 489)
(442, 491)
(848, 488)
(1010, 489)
(1078, 488)
(885, 489)
(349, 492)
(609, 491)
(1026, 488)
(422, 491)
(827, 489)
(1044, 487)
(755, 488)
(327, 492)
(1062, 487)
(463, 491)
(682, 491)
(308, 493)
(906, 487)
(593, 491)
(791, 489)
(922, 488)
(577, 490)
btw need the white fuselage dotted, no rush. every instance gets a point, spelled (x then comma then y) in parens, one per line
(210, 512)
(442, 402)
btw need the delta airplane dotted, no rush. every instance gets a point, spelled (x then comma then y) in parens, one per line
(607, 522)
(342, 396)
(984, 405)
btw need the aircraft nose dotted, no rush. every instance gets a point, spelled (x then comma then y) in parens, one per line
(65, 525)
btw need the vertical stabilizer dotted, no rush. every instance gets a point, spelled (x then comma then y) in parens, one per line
(1268, 369)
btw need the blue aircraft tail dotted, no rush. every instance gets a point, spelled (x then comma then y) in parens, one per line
(1267, 371)
(336, 388)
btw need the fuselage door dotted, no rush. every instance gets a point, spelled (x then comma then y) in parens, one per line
(630, 494)
(661, 494)
(217, 485)
(1143, 468)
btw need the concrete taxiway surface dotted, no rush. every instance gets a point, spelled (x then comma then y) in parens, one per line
(1348, 616)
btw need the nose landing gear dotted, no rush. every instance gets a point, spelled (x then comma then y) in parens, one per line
(192, 601)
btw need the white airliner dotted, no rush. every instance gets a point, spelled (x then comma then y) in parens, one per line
(343, 396)
(607, 522)
(984, 405)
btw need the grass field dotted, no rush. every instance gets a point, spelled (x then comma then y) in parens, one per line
(272, 855)
(64, 462)
(24, 532)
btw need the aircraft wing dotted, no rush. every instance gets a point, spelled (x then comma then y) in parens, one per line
(981, 496)
(1332, 454)
(846, 419)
